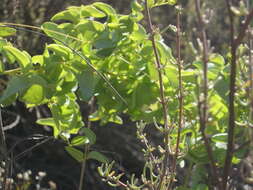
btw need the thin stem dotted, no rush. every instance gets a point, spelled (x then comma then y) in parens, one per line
(162, 96)
(243, 28)
(180, 97)
(231, 124)
(83, 167)
(11, 72)
(203, 104)
(86, 148)
(250, 44)
(3, 149)
(251, 78)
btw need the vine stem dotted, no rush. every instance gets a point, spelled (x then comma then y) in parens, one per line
(162, 96)
(234, 43)
(180, 96)
(203, 103)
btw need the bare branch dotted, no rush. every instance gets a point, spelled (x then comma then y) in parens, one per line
(203, 104)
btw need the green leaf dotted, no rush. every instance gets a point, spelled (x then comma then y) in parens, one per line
(155, 3)
(165, 53)
(89, 29)
(171, 2)
(15, 85)
(22, 58)
(34, 94)
(127, 24)
(72, 14)
(172, 74)
(3, 42)
(89, 134)
(46, 121)
(49, 122)
(152, 71)
(76, 154)
(60, 50)
(7, 31)
(116, 119)
(140, 34)
(2, 68)
(151, 3)
(218, 107)
(217, 59)
(222, 87)
(107, 9)
(97, 156)
(91, 11)
(201, 187)
(79, 140)
(104, 44)
(198, 154)
(136, 6)
(87, 81)
(89, 25)
(55, 32)
(189, 75)
(220, 137)
(163, 2)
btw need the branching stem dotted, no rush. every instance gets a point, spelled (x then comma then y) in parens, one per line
(234, 43)
(180, 96)
(162, 96)
(203, 101)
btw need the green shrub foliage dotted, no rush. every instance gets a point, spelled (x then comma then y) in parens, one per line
(96, 52)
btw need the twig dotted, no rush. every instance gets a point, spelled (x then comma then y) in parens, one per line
(83, 167)
(203, 107)
(86, 148)
(32, 148)
(250, 79)
(243, 28)
(162, 95)
(3, 149)
(13, 124)
(180, 96)
(234, 43)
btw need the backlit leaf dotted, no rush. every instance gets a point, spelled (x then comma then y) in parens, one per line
(22, 58)
(55, 32)
(7, 31)
(79, 140)
(34, 94)
(49, 122)
(91, 11)
(72, 15)
(60, 50)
